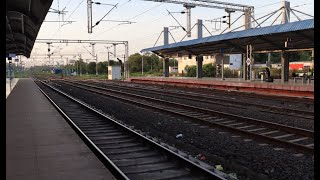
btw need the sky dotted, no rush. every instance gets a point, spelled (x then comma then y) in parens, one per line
(150, 18)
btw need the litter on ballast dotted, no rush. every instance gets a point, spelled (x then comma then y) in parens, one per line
(179, 136)
(233, 176)
(219, 167)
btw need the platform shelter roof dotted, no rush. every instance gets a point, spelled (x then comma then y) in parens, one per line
(294, 35)
(23, 22)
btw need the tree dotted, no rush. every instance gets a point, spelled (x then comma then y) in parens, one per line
(173, 62)
(260, 58)
(112, 62)
(80, 67)
(92, 68)
(135, 63)
(191, 71)
(102, 67)
(209, 70)
(151, 63)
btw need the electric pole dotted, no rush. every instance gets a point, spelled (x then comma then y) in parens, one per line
(142, 65)
(89, 10)
(94, 57)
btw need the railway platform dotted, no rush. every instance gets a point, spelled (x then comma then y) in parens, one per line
(40, 144)
(259, 87)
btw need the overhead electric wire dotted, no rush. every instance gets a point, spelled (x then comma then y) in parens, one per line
(67, 19)
(129, 19)
(157, 39)
(177, 21)
(302, 13)
(172, 37)
(146, 11)
(105, 15)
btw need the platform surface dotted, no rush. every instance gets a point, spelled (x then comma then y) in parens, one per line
(10, 85)
(41, 145)
(259, 87)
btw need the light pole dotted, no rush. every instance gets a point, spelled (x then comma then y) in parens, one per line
(10, 75)
(87, 66)
(109, 57)
(142, 65)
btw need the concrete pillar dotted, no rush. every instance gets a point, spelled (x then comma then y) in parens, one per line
(166, 60)
(269, 61)
(252, 63)
(165, 36)
(247, 19)
(284, 67)
(199, 28)
(312, 58)
(126, 59)
(89, 12)
(188, 12)
(166, 67)
(199, 60)
(285, 12)
(244, 66)
(222, 68)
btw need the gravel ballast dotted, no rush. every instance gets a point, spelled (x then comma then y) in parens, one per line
(216, 145)
(245, 111)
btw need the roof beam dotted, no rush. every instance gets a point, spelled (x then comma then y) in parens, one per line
(80, 41)
(270, 42)
(236, 45)
(305, 36)
(208, 4)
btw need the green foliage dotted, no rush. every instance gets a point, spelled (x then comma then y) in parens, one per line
(299, 56)
(275, 73)
(112, 62)
(228, 73)
(151, 63)
(135, 62)
(173, 62)
(91, 68)
(191, 71)
(138, 74)
(261, 58)
(102, 67)
(209, 70)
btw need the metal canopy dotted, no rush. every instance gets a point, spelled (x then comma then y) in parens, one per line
(23, 22)
(298, 35)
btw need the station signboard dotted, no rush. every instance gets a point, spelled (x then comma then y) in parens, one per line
(248, 61)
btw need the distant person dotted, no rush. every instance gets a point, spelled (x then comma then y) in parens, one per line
(268, 78)
(305, 76)
(268, 72)
(309, 74)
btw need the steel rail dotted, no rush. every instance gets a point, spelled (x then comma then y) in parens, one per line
(195, 168)
(186, 84)
(210, 100)
(293, 130)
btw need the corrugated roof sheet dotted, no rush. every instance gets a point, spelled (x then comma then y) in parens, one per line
(282, 28)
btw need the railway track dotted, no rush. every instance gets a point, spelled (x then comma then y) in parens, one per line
(127, 153)
(223, 88)
(215, 100)
(297, 138)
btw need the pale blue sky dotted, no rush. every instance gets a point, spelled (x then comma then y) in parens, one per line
(151, 17)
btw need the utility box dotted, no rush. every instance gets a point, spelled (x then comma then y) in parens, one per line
(114, 72)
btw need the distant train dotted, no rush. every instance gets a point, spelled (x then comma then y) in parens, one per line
(57, 71)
